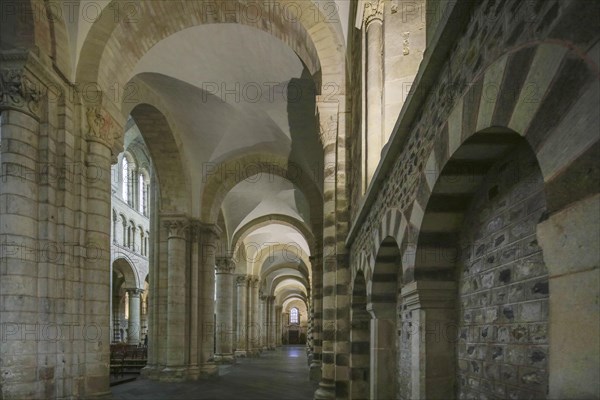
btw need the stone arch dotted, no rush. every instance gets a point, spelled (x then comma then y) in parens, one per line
(392, 225)
(302, 271)
(260, 222)
(221, 182)
(548, 118)
(538, 91)
(124, 266)
(160, 141)
(360, 340)
(383, 306)
(280, 278)
(281, 253)
(491, 178)
(319, 44)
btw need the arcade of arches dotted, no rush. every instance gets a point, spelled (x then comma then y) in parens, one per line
(407, 188)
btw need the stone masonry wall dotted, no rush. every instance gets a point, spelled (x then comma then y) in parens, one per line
(503, 286)
(494, 28)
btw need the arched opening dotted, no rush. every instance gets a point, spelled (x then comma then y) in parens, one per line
(124, 283)
(383, 305)
(478, 235)
(360, 340)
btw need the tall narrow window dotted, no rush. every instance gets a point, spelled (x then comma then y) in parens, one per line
(294, 316)
(142, 194)
(125, 180)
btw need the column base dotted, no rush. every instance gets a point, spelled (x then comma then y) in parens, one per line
(325, 391)
(254, 353)
(173, 374)
(208, 371)
(100, 396)
(151, 372)
(240, 354)
(314, 373)
(224, 358)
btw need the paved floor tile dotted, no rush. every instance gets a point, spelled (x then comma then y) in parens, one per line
(280, 374)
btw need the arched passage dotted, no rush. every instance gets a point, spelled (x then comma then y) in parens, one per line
(359, 340)
(382, 304)
(477, 247)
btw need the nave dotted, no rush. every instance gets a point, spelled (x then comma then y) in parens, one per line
(278, 374)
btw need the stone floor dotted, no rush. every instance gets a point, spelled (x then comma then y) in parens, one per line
(279, 374)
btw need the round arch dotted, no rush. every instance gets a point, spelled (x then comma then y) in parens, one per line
(219, 184)
(318, 42)
(171, 176)
(124, 266)
(360, 339)
(260, 222)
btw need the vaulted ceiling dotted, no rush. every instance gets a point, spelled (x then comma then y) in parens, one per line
(238, 105)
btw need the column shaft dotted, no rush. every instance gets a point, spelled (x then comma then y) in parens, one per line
(374, 32)
(254, 325)
(224, 312)
(176, 245)
(133, 325)
(208, 248)
(242, 332)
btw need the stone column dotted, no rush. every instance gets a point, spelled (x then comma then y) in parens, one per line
(373, 23)
(133, 325)
(431, 304)
(328, 119)
(101, 134)
(278, 324)
(241, 349)
(272, 324)
(263, 332)
(317, 315)
(210, 235)
(224, 317)
(254, 325)
(176, 298)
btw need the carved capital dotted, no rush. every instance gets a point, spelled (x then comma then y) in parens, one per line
(102, 127)
(176, 228)
(253, 279)
(241, 280)
(134, 292)
(18, 92)
(209, 232)
(224, 265)
(373, 11)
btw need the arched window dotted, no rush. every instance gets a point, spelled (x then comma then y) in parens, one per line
(142, 250)
(294, 316)
(125, 188)
(125, 230)
(143, 194)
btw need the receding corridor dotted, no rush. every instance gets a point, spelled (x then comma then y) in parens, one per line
(299, 199)
(278, 374)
